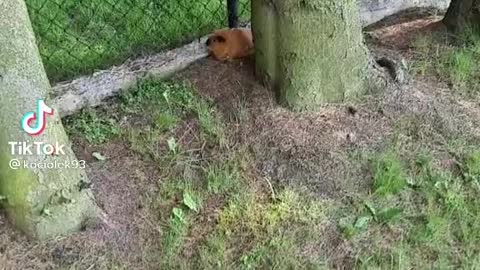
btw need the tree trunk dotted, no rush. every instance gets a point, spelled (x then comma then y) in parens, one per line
(310, 51)
(462, 13)
(40, 200)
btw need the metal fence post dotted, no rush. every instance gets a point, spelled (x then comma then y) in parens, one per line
(232, 9)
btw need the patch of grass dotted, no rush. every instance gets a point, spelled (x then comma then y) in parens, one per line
(146, 143)
(432, 223)
(389, 176)
(179, 202)
(165, 104)
(211, 123)
(165, 121)
(76, 37)
(176, 232)
(257, 232)
(151, 96)
(250, 231)
(222, 178)
(95, 127)
(161, 104)
(186, 196)
(472, 167)
(457, 64)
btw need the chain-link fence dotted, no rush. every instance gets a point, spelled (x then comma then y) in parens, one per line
(79, 36)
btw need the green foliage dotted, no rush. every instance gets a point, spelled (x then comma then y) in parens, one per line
(165, 121)
(158, 96)
(388, 176)
(211, 123)
(457, 64)
(190, 202)
(160, 106)
(435, 223)
(175, 234)
(95, 127)
(472, 167)
(222, 178)
(277, 229)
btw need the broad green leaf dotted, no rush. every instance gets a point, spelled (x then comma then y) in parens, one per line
(362, 222)
(178, 213)
(190, 202)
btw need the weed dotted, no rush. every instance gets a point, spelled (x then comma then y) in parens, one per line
(145, 143)
(95, 128)
(211, 122)
(158, 96)
(175, 235)
(472, 167)
(165, 121)
(389, 176)
(181, 217)
(222, 178)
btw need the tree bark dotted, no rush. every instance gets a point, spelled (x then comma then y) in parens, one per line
(461, 14)
(310, 51)
(42, 202)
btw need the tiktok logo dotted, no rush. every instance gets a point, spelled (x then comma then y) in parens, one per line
(39, 116)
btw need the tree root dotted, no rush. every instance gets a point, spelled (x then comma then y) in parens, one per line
(386, 68)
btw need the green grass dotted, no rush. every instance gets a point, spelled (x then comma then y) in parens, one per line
(94, 127)
(432, 222)
(77, 37)
(261, 232)
(457, 64)
(161, 105)
(389, 177)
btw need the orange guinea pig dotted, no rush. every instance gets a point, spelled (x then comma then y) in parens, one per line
(228, 44)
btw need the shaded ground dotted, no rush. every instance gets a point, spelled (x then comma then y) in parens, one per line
(324, 155)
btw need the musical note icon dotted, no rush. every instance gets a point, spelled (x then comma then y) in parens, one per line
(39, 116)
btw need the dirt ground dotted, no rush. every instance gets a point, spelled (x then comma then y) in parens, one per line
(310, 151)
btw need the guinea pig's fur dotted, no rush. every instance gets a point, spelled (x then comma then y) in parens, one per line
(228, 44)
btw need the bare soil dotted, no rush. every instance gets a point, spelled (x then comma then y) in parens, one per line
(310, 151)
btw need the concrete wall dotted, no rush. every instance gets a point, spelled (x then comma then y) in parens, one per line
(372, 11)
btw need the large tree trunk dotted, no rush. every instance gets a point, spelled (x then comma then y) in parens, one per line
(43, 202)
(310, 51)
(462, 13)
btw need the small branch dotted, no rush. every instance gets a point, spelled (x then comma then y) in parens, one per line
(271, 187)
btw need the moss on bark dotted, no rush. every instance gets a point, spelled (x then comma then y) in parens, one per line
(310, 51)
(42, 202)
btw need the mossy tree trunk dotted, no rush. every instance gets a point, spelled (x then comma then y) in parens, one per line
(310, 51)
(462, 13)
(42, 202)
